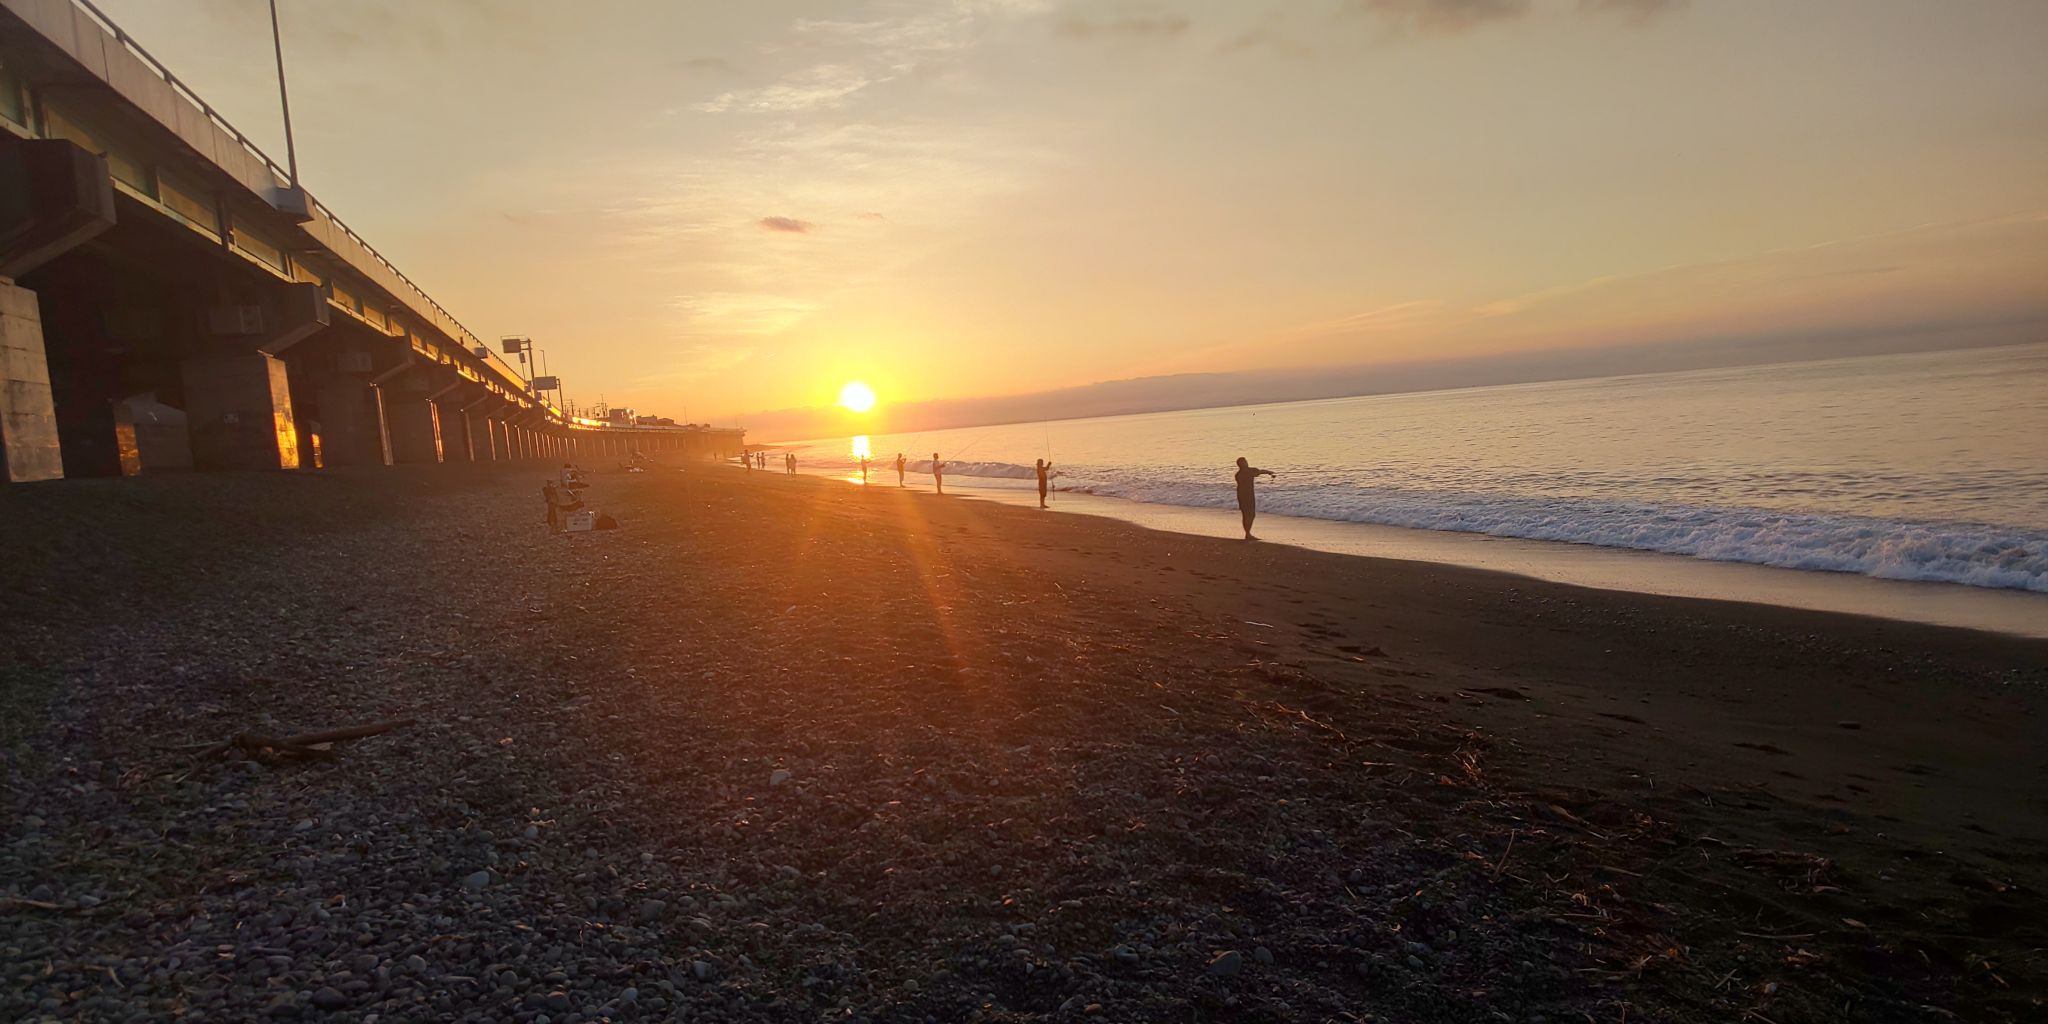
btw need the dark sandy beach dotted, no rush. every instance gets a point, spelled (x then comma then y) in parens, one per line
(785, 749)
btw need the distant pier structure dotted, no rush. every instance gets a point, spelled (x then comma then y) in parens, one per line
(171, 299)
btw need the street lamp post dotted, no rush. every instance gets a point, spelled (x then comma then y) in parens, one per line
(291, 153)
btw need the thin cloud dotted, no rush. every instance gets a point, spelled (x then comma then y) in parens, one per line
(875, 52)
(1632, 12)
(790, 225)
(1400, 314)
(1262, 39)
(696, 362)
(726, 314)
(823, 86)
(709, 65)
(1167, 26)
(1447, 17)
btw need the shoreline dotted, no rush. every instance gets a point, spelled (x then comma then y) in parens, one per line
(879, 754)
(1998, 610)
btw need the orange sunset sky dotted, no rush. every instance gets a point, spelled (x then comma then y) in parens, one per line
(706, 210)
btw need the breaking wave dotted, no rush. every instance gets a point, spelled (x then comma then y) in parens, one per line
(994, 470)
(2007, 557)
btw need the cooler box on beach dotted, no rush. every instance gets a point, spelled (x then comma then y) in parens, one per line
(580, 522)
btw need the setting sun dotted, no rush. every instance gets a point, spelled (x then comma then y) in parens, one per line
(856, 396)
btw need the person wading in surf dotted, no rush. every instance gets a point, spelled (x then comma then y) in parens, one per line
(1044, 467)
(1247, 498)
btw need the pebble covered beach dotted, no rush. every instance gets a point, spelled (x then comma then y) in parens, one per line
(784, 749)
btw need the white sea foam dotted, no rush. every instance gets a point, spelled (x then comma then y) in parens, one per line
(1969, 553)
(993, 470)
(2007, 557)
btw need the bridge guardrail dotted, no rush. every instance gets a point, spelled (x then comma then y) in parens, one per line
(282, 178)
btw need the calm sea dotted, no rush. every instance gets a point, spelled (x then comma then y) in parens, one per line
(1927, 466)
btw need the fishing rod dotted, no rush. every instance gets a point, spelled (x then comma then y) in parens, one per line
(972, 443)
(1050, 490)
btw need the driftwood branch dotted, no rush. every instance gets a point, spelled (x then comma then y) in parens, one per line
(303, 746)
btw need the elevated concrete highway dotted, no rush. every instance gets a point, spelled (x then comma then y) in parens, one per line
(169, 299)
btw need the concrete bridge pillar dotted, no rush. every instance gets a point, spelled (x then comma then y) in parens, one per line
(352, 431)
(454, 427)
(29, 448)
(238, 401)
(415, 432)
(456, 443)
(476, 422)
(412, 419)
(529, 438)
(238, 409)
(58, 197)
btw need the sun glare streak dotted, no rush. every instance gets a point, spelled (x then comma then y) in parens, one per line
(856, 397)
(860, 449)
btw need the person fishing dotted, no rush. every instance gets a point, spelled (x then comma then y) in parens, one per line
(1247, 499)
(938, 474)
(1044, 468)
(863, 471)
(899, 469)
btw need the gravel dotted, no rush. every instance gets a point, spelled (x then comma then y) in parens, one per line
(576, 827)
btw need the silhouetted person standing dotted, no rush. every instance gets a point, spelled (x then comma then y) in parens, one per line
(899, 469)
(1247, 498)
(938, 474)
(1044, 468)
(863, 471)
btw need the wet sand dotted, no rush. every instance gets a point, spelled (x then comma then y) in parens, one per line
(2021, 613)
(1039, 766)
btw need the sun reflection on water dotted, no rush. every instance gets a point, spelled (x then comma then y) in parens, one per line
(858, 450)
